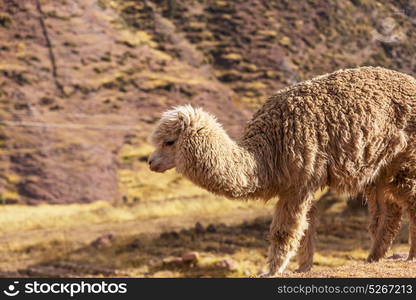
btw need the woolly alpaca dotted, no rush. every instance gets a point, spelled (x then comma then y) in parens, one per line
(352, 130)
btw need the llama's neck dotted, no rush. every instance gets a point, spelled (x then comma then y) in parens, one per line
(212, 160)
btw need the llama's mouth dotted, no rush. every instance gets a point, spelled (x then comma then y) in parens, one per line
(158, 168)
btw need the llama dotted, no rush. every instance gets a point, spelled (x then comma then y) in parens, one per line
(353, 131)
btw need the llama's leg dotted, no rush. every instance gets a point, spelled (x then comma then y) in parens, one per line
(307, 244)
(374, 210)
(288, 225)
(411, 209)
(403, 187)
(388, 225)
(412, 234)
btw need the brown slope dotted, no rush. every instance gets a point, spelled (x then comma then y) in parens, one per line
(120, 63)
(91, 84)
(259, 46)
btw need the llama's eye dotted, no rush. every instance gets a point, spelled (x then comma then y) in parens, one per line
(169, 143)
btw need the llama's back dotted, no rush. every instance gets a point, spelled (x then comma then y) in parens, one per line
(338, 129)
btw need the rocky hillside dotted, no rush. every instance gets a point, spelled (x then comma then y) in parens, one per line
(82, 81)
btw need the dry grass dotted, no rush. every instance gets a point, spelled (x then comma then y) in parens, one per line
(20, 218)
(51, 240)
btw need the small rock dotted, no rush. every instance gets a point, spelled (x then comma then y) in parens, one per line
(136, 199)
(211, 228)
(211, 249)
(199, 228)
(227, 249)
(396, 256)
(103, 241)
(143, 158)
(190, 257)
(226, 264)
(169, 235)
(184, 232)
(135, 244)
(172, 261)
(152, 262)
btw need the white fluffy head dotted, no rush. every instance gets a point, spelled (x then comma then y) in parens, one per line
(173, 122)
(167, 132)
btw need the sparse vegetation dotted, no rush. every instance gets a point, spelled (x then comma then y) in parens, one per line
(118, 64)
(147, 235)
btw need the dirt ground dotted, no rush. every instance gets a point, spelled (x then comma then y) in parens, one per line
(215, 237)
(82, 82)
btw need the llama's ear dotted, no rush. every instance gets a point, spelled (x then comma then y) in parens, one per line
(184, 120)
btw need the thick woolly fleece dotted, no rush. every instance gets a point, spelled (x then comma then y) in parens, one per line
(349, 130)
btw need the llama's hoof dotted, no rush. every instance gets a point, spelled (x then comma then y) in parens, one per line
(372, 258)
(268, 275)
(265, 275)
(303, 269)
(411, 257)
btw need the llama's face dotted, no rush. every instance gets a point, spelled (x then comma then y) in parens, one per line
(163, 158)
(164, 138)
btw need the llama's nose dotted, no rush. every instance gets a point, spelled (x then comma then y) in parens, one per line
(149, 161)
